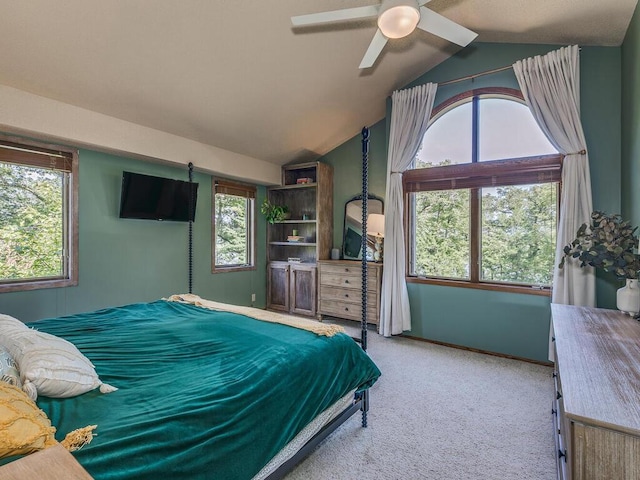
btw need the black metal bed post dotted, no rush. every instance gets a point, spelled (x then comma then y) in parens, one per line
(190, 227)
(365, 196)
(365, 201)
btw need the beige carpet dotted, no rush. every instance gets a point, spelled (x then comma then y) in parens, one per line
(443, 413)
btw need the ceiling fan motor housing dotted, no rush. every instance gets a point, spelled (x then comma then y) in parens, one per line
(398, 18)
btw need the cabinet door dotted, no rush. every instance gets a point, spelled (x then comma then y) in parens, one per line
(302, 281)
(278, 287)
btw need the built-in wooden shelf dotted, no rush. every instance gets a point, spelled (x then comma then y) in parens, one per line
(292, 287)
(294, 244)
(290, 221)
(295, 186)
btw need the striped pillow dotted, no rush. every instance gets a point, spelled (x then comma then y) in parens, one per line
(9, 369)
(48, 365)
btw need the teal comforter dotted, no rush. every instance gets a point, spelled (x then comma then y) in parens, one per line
(202, 394)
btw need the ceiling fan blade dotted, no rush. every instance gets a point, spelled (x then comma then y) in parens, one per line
(435, 23)
(336, 15)
(375, 47)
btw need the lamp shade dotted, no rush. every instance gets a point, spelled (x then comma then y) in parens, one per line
(375, 225)
(398, 18)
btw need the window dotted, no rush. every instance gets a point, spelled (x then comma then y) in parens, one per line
(233, 226)
(482, 197)
(38, 215)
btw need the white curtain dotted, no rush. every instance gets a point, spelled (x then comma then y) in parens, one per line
(411, 110)
(551, 88)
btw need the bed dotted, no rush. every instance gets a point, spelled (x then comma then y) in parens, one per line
(204, 393)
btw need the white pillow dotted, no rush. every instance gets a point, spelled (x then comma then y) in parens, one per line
(48, 365)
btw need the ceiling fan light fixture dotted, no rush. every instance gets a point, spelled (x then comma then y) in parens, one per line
(398, 18)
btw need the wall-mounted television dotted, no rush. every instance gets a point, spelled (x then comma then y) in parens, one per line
(157, 198)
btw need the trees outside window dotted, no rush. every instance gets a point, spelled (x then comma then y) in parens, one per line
(483, 195)
(38, 215)
(233, 226)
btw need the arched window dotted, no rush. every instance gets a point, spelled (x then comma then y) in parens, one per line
(483, 195)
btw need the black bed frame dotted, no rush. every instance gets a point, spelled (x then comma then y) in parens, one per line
(361, 399)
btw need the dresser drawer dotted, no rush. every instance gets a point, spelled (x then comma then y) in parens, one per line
(346, 269)
(347, 281)
(337, 294)
(351, 311)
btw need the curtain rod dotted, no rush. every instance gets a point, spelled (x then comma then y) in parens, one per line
(475, 75)
(471, 77)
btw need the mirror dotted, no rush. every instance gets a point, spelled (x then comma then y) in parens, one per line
(352, 233)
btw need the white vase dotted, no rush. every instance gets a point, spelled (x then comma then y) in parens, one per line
(628, 297)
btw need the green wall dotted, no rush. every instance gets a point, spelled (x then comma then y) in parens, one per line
(347, 173)
(631, 121)
(125, 260)
(512, 324)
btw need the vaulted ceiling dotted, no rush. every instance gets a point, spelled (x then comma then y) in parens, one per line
(236, 74)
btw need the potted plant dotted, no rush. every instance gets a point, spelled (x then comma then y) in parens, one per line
(611, 244)
(274, 213)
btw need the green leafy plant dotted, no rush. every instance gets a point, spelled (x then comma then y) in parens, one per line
(274, 213)
(607, 243)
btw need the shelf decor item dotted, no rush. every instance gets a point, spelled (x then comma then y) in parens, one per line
(274, 213)
(611, 244)
(628, 297)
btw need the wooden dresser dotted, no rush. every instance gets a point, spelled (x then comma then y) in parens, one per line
(340, 289)
(597, 403)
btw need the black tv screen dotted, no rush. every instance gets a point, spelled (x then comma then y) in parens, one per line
(156, 198)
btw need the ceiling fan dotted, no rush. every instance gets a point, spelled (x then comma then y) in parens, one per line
(396, 19)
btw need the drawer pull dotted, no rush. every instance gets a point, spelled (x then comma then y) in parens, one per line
(346, 269)
(346, 309)
(346, 281)
(346, 295)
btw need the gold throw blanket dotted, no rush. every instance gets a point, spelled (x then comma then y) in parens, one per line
(327, 330)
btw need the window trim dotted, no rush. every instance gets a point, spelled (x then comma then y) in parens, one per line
(482, 285)
(40, 154)
(248, 191)
(516, 171)
(473, 176)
